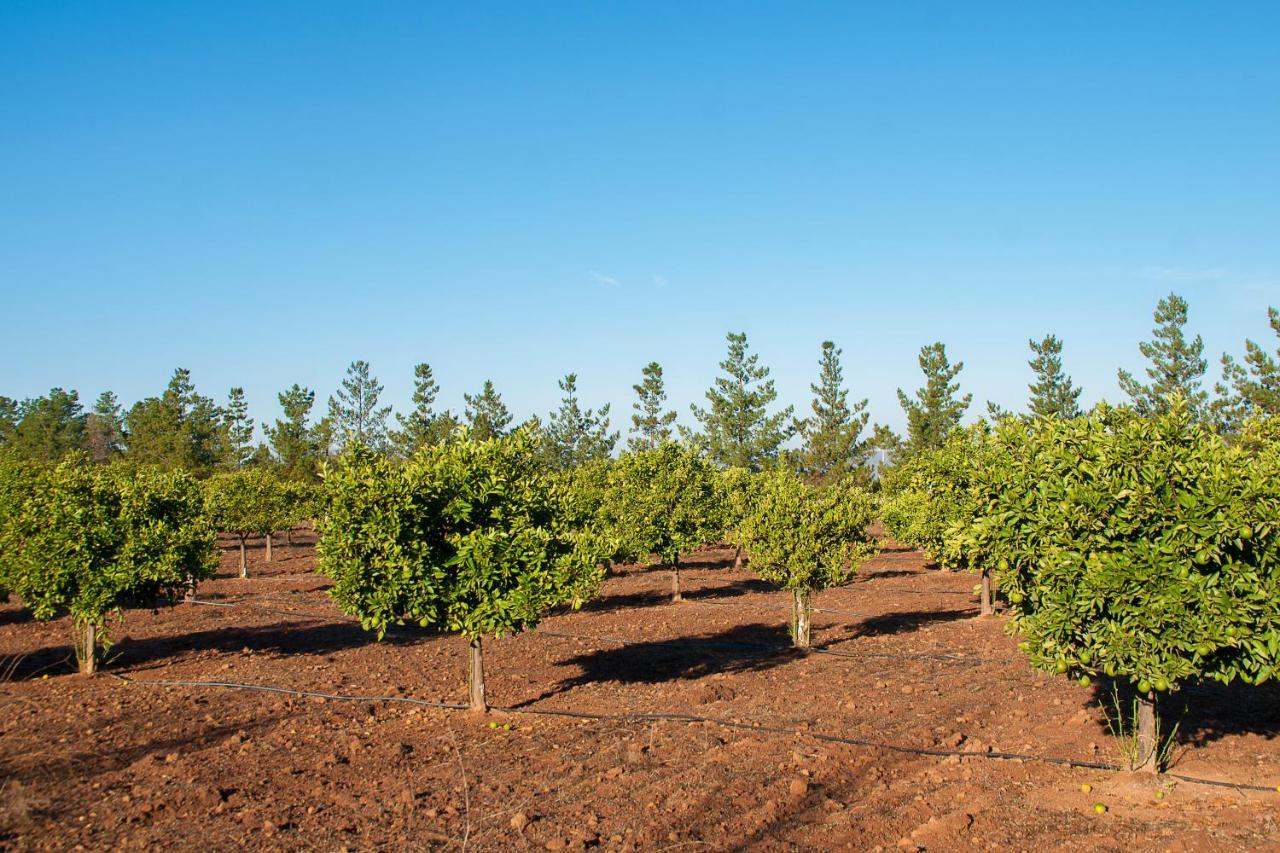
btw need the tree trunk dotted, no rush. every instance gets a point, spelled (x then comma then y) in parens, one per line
(675, 580)
(87, 656)
(268, 547)
(1148, 742)
(737, 558)
(475, 679)
(288, 537)
(801, 617)
(191, 589)
(987, 609)
(244, 566)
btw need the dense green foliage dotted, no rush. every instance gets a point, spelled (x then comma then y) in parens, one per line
(180, 429)
(935, 411)
(295, 443)
(927, 493)
(84, 540)
(1142, 547)
(1252, 388)
(470, 537)
(248, 502)
(737, 429)
(1053, 394)
(354, 413)
(423, 426)
(803, 539)
(662, 501)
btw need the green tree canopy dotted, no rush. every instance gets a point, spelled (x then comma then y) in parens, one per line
(1252, 388)
(832, 434)
(248, 502)
(737, 428)
(1175, 368)
(180, 429)
(354, 414)
(486, 414)
(470, 537)
(650, 425)
(50, 427)
(576, 435)
(1053, 394)
(104, 429)
(295, 443)
(238, 428)
(424, 426)
(935, 410)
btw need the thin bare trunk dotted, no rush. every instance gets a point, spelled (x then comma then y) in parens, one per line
(87, 656)
(737, 558)
(475, 678)
(268, 547)
(244, 565)
(987, 609)
(1148, 741)
(675, 580)
(801, 618)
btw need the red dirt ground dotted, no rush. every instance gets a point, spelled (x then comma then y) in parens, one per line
(94, 762)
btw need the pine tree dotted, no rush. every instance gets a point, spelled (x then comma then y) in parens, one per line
(239, 430)
(832, 432)
(180, 429)
(423, 427)
(49, 427)
(9, 414)
(935, 411)
(1176, 365)
(576, 435)
(104, 429)
(737, 429)
(1249, 388)
(487, 416)
(354, 411)
(1052, 394)
(650, 425)
(294, 443)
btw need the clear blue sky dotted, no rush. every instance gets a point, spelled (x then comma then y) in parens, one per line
(263, 192)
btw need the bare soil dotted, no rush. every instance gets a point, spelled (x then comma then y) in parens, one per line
(101, 763)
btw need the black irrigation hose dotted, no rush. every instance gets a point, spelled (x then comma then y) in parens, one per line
(693, 719)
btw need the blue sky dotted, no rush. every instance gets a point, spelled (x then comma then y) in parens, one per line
(264, 192)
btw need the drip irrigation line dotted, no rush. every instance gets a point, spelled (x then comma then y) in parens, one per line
(676, 717)
(295, 613)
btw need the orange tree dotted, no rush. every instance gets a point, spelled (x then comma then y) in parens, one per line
(1142, 548)
(248, 502)
(662, 501)
(84, 540)
(803, 538)
(470, 537)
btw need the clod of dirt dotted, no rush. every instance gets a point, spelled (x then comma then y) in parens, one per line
(519, 821)
(798, 787)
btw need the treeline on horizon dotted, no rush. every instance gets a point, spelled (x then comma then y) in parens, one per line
(182, 429)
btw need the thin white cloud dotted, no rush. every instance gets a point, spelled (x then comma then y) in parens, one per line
(605, 280)
(659, 281)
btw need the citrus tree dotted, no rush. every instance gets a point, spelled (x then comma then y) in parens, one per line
(1142, 548)
(248, 502)
(735, 497)
(584, 489)
(804, 539)
(88, 540)
(662, 501)
(471, 537)
(929, 501)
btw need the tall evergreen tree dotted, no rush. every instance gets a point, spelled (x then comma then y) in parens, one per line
(574, 434)
(424, 426)
(295, 443)
(737, 429)
(49, 427)
(1052, 394)
(9, 414)
(1176, 366)
(104, 429)
(936, 410)
(354, 411)
(1252, 387)
(650, 425)
(832, 432)
(180, 429)
(239, 430)
(486, 414)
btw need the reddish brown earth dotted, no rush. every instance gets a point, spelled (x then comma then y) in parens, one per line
(98, 763)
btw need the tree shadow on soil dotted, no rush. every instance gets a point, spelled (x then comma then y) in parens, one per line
(745, 648)
(867, 577)
(906, 621)
(1207, 711)
(648, 598)
(284, 638)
